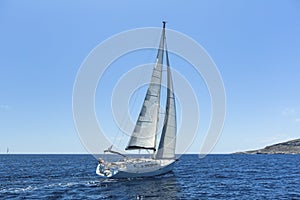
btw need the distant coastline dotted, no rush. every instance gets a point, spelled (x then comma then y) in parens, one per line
(288, 147)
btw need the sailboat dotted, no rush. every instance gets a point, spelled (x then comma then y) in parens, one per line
(144, 136)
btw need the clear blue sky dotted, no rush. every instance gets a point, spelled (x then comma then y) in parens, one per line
(255, 44)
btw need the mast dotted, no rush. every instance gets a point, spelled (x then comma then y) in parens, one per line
(167, 144)
(144, 134)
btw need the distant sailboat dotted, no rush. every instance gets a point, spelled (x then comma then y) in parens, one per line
(144, 135)
(7, 150)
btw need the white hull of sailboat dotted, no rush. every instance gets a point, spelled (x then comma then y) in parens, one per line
(134, 168)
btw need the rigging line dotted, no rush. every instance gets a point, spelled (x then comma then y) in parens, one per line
(136, 96)
(124, 119)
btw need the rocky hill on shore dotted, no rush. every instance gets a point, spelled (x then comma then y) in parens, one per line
(289, 147)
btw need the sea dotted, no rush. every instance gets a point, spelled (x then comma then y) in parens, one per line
(213, 177)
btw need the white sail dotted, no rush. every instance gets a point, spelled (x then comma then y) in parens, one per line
(166, 149)
(144, 134)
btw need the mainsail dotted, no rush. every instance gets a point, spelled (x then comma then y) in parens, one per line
(144, 134)
(167, 144)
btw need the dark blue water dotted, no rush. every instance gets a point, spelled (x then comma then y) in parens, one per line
(214, 177)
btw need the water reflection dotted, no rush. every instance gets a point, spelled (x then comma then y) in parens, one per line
(159, 187)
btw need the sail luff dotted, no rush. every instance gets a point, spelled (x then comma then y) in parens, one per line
(144, 134)
(167, 144)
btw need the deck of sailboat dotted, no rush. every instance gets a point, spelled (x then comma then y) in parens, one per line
(145, 162)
